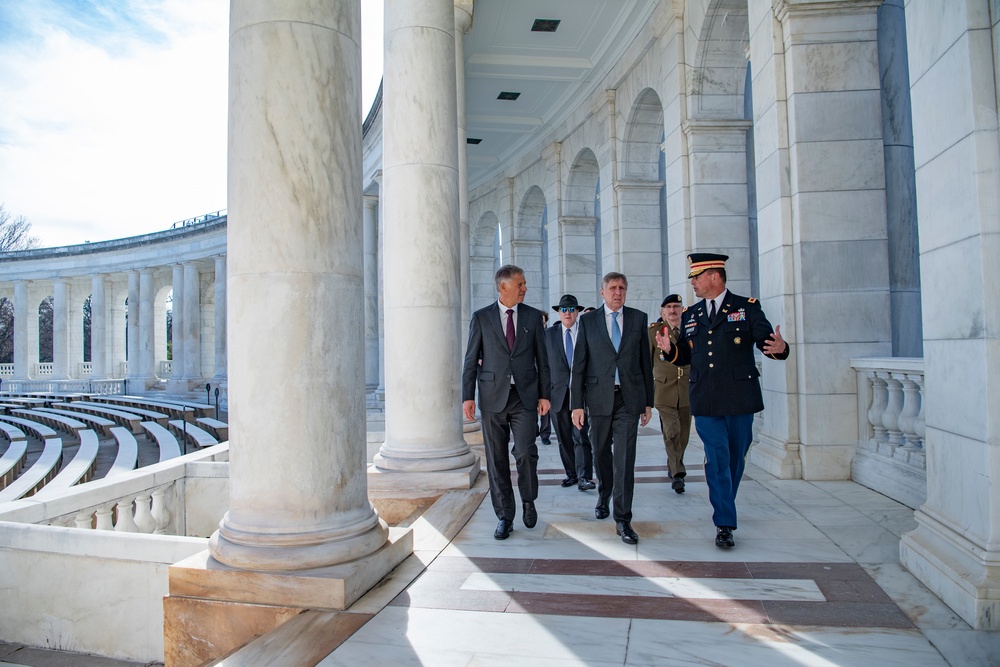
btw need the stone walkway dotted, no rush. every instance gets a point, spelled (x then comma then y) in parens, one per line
(814, 580)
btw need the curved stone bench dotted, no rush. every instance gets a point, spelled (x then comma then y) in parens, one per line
(37, 429)
(196, 436)
(218, 428)
(12, 461)
(79, 470)
(147, 415)
(99, 423)
(128, 452)
(60, 422)
(177, 410)
(38, 475)
(12, 432)
(129, 420)
(169, 448)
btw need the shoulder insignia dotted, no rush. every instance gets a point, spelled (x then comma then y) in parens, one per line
(653, 324)
(751, 300)
(685, 309)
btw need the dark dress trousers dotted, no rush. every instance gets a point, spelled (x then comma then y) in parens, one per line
(574, 448)
(507, 407)
(724, 389)
(614, 412)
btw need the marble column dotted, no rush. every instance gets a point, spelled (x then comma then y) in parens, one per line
(423, 420)
(955, 549)
(220, 318)
(463, 21)
(577, 263)
(132, 329)
(820, 194)
(147, 351)
(21, 330)
(380, 264)
(177, 326)
(900, 183)
(60, 330)
(98, 329)
(370, 223)
(191, 331)
(298, 487)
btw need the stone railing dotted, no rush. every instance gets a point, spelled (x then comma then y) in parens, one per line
(103, 551)
(166, 368)
(108, 386)
(890, 457)
(44, 369)
(86, 369)
(6, 370)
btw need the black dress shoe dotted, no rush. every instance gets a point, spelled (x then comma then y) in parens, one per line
(601, 512)
(724, 538)
(568, 482)
(678, 484)
(624, 529)
(586, 485)
(546, 441)
(503, 529)
(530, 516)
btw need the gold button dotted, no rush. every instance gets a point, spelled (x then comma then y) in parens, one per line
(709, 354)
(709, 342)
(709, 331)
(711, 365)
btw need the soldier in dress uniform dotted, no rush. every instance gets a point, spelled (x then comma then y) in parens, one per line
(670, 392)
(717, 338)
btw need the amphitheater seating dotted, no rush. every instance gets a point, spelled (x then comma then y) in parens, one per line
(218, 428)
(196, 436)
(12, 461)
(130, 420)
(175, 409)
(40, 431)
(165, 439)
(99, 423)
(12, 432)
(39, 474)
(147, 415)
(128, 452)
(60, 422)
(80, 469)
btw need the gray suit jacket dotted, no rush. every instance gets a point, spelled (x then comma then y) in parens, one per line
(595, 362)
(490, 365)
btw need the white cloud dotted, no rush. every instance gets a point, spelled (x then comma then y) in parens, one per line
(114, 121)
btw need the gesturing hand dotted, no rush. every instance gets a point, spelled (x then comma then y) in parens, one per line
(663, 340)
(775, 344)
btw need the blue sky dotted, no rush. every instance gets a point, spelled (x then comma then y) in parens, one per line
(113, 113)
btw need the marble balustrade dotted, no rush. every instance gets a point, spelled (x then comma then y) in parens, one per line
(890, 456)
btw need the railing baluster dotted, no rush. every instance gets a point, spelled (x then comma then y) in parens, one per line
(144, 520)
(879, 401)
(104, 516)
(125, 523)
(160, 512)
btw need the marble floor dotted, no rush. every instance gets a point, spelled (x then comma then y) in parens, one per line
(814, 580)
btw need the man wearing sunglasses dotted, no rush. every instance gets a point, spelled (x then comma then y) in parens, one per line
(574, 446)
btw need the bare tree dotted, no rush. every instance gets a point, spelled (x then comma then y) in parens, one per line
(15, 233)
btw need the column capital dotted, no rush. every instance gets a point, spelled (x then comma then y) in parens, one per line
(463, 17)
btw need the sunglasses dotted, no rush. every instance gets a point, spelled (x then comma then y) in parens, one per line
(563, 309)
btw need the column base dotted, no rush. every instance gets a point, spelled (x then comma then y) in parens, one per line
(779, 458)
(965, 575)
(384, 481)
(212, 609)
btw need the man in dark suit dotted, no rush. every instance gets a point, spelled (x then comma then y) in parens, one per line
(613, 377)
(506, 360)
(560, 342)
(717, 338)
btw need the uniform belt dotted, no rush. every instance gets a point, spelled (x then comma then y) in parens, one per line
(680, 372)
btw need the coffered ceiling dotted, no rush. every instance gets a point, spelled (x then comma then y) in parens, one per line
(554, 72)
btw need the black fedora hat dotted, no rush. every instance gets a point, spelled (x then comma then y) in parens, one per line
(567, 301)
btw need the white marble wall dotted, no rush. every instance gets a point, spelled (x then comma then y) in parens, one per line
(955, 550)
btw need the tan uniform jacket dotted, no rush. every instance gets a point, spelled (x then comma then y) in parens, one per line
(670, 383)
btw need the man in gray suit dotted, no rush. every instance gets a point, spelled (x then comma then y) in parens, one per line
(506, 359)
(613, 377)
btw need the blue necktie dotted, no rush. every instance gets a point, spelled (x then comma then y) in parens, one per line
(616, 332)
(569, 348)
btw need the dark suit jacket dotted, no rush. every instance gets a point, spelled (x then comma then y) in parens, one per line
(558, 368)
(724, 377)
(595, 361)
(490, 365)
